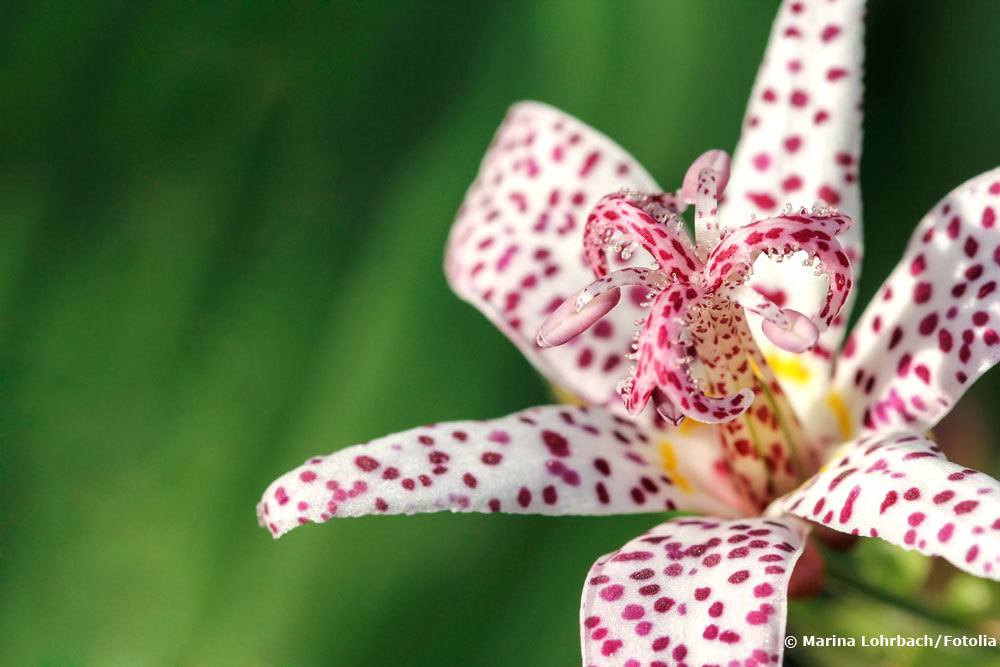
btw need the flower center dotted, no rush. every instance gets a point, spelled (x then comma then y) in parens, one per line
(693, 353)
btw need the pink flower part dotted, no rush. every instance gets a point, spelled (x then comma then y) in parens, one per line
(577, 315)
(681, 287)
(692, 592)
(790, 330)
(713, 161)
(623, 222)
(899, 487)
(934, 326)
(514, 251)
(710, 173)
(693, 352)
(814, 234)
(551, 460)
(801, 144)
(678, 325)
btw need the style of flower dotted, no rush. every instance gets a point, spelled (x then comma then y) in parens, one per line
(751, 421)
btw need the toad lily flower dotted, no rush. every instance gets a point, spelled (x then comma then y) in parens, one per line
(740, 345)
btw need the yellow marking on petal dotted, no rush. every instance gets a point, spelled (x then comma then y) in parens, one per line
(566, 397)
(836, 403)
(789, 367)
(689, 426)
(670, 465)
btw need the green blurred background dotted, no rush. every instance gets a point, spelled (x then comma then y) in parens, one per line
(221, 231)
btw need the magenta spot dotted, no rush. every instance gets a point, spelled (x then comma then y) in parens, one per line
(759, 617)
(499, 437)
(663, 605)
(989, 217)
(928, 324)
(557, 444)
(943, 497)
(602, 466)
(739, 576)
(966, 506)
(633, 612)
(971, 554)
(603, 329)
(612, 593)
(491, 458)
(848, 508)
(762, 200)
(436, 458)
(729, 637)
(610, 647)
(602, 493)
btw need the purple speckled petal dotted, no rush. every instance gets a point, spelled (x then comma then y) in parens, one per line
(692, 592)
(801, 144)
(549, 460)
(933, 327)
(900, 487)
(515, 249)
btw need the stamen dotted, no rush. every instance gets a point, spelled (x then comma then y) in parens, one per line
(787, 328)
(624, 222)
(570, 320)
(704, 182)
(730, 264)
(797, 335)
(677, 325)
(716, 160)
(577, 314)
